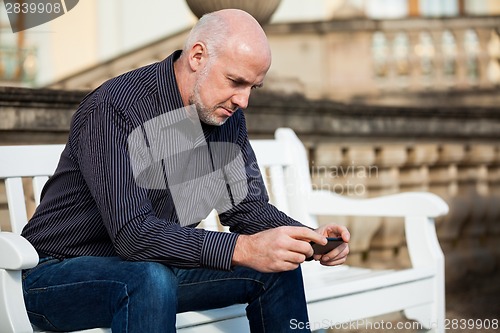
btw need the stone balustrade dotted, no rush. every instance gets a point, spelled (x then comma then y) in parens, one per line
(465, 175)
(370, 61)
(359, 151)
(357, 59)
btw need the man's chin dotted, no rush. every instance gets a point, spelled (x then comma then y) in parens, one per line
(219, 121)
(214, 116)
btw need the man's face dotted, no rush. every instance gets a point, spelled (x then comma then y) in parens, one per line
(224, 84)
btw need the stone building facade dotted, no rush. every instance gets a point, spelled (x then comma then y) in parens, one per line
(383, 105)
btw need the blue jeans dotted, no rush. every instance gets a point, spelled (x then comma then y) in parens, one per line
(144, 297)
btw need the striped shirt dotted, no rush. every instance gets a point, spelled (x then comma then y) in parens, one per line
(93, 206)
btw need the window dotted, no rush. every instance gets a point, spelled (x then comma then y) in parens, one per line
(438, 8)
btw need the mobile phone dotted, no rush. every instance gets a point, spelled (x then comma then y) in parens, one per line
(333, 242)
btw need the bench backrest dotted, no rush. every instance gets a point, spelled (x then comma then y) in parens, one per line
(282, 161)
(284, 167)
(18, 162)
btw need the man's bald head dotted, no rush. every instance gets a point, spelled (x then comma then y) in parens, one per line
(229, 28)
(226, 55)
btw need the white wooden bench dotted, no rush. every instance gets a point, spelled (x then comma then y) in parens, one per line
(334, 294)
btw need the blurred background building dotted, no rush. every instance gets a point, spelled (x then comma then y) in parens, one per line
(352, 50)
(388, 96)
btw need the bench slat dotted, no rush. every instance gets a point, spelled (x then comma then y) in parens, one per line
(17, 205)
(279, 188)
(38, 184)
(202, 317)
(370, 303)
(345, 283)
(271, 152)
(29, 161)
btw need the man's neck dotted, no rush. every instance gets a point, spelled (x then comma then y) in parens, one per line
(181, 79)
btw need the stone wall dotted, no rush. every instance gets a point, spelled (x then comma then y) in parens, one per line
(36, 116)
(362, 151)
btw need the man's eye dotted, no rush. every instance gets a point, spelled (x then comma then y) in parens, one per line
(234, 82)
(239, 83)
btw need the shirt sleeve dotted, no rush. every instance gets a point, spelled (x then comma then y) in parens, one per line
(254, 213)
(136, 231)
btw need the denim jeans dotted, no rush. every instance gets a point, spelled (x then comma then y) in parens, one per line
(144, 297)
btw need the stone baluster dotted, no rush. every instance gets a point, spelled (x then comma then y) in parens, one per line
(359, 169)
(390, 237)
(414, 176)
(474, 192)
(483, 35)
(345, 171)
(493, 55)
(492, 216)
(326, 159)
(414, 59)
(443, 181)
(461, 79)
(391, 75)
(438, 77)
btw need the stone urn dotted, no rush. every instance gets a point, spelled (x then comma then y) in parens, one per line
(262, 10)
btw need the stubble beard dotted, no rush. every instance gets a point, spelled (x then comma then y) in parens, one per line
(205, 113)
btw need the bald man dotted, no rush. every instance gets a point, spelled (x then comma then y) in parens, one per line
(150, 153)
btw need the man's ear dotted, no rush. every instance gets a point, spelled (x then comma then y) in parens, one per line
(198, 56)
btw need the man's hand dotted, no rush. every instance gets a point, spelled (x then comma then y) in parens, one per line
(338, 255)
(276, 250)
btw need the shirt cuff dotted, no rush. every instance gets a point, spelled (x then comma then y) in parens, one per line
(217, 250)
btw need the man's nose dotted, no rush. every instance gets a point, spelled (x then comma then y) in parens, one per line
(241, 98)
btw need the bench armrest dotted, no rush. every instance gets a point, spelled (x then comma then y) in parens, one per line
(16, 252)
(397, 205)
(417, 208)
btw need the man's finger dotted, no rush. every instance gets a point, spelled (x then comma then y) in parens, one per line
(307, 234)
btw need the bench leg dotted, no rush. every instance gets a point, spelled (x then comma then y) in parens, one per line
(425, 250)
(425, 316)
(13, 316)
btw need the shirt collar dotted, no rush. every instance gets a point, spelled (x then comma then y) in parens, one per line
(168, 92)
